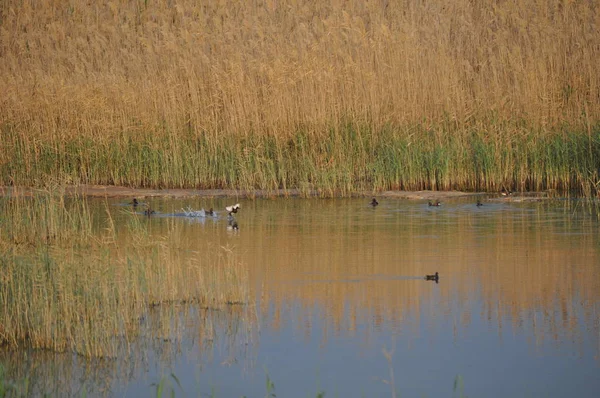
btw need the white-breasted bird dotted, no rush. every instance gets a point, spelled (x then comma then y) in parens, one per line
(232, 209)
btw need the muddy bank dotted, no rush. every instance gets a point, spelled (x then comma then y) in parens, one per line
(101, 191)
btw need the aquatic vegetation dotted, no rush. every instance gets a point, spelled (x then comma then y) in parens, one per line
(332, 98)
(9, 388)
(166, 384)
(74, 282)
(47, 373)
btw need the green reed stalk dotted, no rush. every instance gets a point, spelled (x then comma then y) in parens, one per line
(334, 162)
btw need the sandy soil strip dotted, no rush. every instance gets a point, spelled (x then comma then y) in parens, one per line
(110, 191)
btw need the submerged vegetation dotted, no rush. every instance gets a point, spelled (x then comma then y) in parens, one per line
(70, 282)
(336, 97)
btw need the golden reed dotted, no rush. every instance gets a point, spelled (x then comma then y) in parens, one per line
(112, 72)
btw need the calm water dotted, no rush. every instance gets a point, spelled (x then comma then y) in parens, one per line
(335, 284)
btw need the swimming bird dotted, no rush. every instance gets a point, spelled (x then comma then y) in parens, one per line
(435, 277)
(437, 203)
(148, 212)
(209, 212)
(505, 192)
(374, 202)
(232, 209)
(233, 225)
(479, 203)
(134, 202)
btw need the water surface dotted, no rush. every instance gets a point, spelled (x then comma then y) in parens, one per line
(339, 304)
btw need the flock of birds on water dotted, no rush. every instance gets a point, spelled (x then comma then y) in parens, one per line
(233, 225)
(436, 277)
(504, 192)
(231, 210)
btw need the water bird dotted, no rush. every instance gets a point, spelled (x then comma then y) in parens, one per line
(233, 225)
(209, 212)
(505, 192)
(232, 209)
(374, 202)
(437, 203)
(148, 212)
(435, 277)
(134, 202)
(479, 204)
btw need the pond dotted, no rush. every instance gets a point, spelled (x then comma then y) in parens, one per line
(340, 304)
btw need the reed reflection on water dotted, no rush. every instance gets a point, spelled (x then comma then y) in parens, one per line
(336, 281)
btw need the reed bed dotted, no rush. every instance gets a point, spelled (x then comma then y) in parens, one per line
(71, 283)
(356, 159)
(339, 96)
(46, 373)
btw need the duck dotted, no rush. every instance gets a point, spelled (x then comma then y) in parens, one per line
(437, 203)
(479, 204)
(209, 212)
(435, 277)
(148, 212)
(134, 202)
(374, 202)
(505, 192)
(232, 209)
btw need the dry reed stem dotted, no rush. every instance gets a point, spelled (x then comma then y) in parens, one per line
(75, 292)
(70, 69)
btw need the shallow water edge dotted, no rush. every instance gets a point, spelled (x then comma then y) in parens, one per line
(112, 191)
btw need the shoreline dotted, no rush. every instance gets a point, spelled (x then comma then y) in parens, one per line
(112, 191)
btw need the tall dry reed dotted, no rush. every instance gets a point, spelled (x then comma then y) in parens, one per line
(142, 74)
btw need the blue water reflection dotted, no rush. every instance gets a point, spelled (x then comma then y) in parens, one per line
(336, 284)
